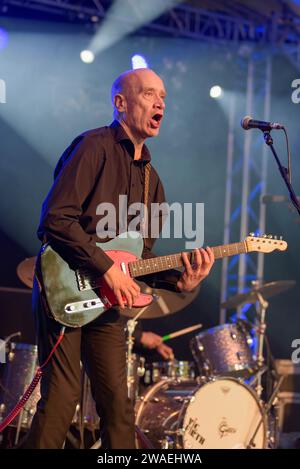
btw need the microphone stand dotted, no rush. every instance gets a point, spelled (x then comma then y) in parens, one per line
(283, 171)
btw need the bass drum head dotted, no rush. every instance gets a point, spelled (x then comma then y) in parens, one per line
(222, 414)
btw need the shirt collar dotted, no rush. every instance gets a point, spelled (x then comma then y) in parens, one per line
(121, 136)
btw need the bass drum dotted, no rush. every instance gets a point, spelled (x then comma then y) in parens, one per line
(220, 414)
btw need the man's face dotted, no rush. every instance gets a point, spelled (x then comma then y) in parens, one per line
(144, 104)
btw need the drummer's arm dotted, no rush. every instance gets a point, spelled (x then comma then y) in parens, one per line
(152, 341)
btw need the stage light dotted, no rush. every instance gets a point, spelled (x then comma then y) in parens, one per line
(87, 56)
(138, 61)
(216, 91)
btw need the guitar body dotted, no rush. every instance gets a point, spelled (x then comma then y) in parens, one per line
(73, 299)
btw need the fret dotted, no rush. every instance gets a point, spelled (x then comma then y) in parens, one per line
(161, 263)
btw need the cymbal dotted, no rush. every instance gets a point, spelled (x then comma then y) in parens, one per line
(25, 271)
(164, 302)
(267, 291)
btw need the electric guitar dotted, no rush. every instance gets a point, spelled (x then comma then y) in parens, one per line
(76, 297)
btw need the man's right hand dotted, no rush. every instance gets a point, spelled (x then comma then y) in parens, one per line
(122, 285)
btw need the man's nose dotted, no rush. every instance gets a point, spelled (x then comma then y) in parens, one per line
(160, 104)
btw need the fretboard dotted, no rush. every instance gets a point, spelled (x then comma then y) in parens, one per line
(173, 261)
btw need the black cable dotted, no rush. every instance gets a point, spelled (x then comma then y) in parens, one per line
(289, 156)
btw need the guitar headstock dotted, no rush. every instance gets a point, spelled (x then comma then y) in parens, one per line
(265, 243)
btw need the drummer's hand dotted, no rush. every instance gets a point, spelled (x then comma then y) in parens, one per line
(154, 341)
(150, 340)
(194, 274)
(165, 351)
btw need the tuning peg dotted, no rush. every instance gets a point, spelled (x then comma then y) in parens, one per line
(280, 237)
(251, 234)
(275, 237)
(270, 236)
(265, 236)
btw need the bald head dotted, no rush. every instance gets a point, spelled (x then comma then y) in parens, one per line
(129, 83)
(138, 99)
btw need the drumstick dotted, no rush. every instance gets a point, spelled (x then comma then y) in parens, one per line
(181, 332)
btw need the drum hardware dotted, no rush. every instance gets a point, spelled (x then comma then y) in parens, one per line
(177, 369)
(143, 439)
(258, 294)
(261, 330)
(131, 325)
(265, 413)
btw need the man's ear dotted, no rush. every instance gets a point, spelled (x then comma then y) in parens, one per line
(120, 102)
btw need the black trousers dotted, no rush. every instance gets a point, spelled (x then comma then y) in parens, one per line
(101, 347)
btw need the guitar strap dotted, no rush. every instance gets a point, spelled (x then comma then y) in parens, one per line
(147, 171)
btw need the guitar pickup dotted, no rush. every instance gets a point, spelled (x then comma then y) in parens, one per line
(86, 282)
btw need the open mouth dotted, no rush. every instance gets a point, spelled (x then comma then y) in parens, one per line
(156, 119)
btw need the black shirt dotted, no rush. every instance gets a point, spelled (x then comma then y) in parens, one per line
(97, 167)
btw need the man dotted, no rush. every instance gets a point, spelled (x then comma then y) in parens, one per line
(97, 167)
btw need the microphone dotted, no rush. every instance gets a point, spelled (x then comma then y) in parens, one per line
(249, 123)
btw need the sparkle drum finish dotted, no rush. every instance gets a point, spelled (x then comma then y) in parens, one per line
(224, 351)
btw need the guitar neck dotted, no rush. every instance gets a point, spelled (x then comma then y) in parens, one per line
(173, 261)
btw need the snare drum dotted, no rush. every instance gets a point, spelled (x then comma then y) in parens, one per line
(224, 351)
(220, 414)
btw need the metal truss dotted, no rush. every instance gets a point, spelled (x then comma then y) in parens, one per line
(222, 21)
(246, 178)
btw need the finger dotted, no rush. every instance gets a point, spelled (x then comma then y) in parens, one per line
(163, 353)
(205, 256)
(169, 350)
(198, 259)
(133, 293)
(120, 299)
(158, 341)
(135, 287)
(128, 296)
(186, 263)
(210, 254)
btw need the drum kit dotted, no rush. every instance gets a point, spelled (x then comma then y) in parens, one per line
(215, 402)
